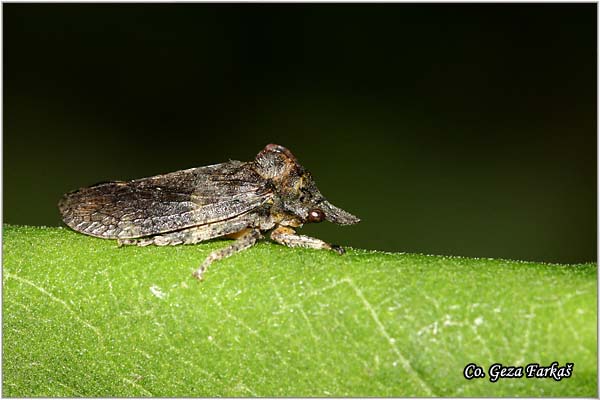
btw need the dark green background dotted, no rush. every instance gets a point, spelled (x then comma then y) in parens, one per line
(449, 129)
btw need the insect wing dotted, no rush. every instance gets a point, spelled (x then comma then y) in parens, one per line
(165, 203)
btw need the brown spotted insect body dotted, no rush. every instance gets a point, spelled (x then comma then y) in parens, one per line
(233, 199)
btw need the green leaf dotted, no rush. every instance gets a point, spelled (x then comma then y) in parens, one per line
(83, 317)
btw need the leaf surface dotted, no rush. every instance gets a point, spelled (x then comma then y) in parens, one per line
(82, 317)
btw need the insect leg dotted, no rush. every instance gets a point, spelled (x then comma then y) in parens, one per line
(247, 239)
(185, 236)
(135, 242)
(193, 235)
(288, 237)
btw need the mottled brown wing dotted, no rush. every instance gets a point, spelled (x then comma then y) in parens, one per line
(165, 203)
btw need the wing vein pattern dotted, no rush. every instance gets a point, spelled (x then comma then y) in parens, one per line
(166, 203)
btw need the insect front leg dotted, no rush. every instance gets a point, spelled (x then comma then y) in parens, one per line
(244, 241)
(289, 237)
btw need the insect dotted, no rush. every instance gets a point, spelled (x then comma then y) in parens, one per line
(239, 200)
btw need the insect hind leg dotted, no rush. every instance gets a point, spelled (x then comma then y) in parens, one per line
(193, 235)
(134, 242)
(171, 238)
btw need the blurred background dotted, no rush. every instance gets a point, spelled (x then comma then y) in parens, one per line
(465, 130)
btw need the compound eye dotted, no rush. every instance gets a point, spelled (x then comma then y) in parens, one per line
(315, 215)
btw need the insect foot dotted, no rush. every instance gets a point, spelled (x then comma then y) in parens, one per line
(338, 249)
